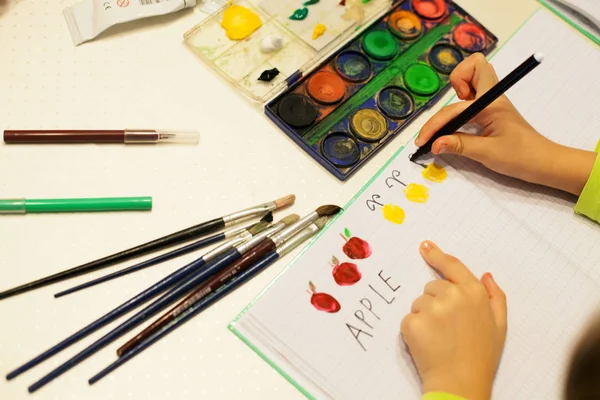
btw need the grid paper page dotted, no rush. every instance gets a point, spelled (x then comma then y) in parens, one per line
(565, 111)
(549, 296)
(536, 248)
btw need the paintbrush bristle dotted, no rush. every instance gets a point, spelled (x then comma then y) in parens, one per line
(268, 217)
(329, 210)
(290, 219)
(285, 201)
(258, 227)
(321, 222)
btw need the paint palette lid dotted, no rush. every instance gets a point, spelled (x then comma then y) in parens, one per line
(279, 40)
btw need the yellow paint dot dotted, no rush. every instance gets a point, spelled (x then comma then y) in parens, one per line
(435, 173)
(416, 193)
(319, 30)
(239, 22)
(394, 214)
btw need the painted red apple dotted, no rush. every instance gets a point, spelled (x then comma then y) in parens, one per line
(323, 301)
(345, 274)
(355, 248)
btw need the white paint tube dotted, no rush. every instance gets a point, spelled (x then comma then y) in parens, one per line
(89, 18)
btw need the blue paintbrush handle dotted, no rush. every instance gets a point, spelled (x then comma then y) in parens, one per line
(173, 295)
(124, 308)
(148, 263)
(230, 286)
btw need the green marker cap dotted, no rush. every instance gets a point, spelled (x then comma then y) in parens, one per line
(23, 206)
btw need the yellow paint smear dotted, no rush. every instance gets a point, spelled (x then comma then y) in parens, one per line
(239, 22)
(447, 57)
(435, 173)
(319, 30)
(417, 193)
(393, 213)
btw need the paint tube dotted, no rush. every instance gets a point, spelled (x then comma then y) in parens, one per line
(89, 18)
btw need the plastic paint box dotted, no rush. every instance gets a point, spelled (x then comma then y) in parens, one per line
(343, 96)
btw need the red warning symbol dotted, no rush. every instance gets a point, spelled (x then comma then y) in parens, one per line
(122, 3)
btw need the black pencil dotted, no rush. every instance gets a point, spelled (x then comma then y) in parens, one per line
(173, 239)
(481, 103)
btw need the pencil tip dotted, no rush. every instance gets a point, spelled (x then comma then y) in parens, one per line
(285, 201)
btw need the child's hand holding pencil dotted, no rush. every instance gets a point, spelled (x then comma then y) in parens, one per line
(508, 144)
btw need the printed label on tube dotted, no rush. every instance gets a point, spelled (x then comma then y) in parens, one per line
(89, 18)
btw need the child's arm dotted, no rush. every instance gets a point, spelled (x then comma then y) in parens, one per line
(589, 201)
(456, 330)
(508, 144)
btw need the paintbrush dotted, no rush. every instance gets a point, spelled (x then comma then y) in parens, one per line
(132, 303)
(173, 295)
(252, 227)
(173, 239)
(249, 259)
(235, 282)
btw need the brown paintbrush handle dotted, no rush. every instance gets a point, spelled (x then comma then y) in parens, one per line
(246, 261)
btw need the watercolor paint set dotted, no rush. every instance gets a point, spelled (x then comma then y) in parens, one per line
(340, 80)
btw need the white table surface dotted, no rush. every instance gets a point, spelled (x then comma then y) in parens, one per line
(141, 75)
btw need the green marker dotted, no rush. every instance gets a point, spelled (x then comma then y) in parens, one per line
(24, 206)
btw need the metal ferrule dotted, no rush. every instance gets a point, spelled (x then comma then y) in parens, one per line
(297, 239)
(226, 246)
(237, 230)
(244, 215)
(244, 247)
(297, 226)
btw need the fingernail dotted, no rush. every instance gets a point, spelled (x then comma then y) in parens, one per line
(443, 149)
(426, 245)
(418, 141)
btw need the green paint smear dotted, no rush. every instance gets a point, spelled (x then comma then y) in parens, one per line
(299, 14)
(310, 2)
(380, 44)
(422, 79)
(389, 76)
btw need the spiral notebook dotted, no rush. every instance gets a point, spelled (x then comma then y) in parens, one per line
(330, 322)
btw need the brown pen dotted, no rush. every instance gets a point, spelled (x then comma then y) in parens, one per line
(124, 136)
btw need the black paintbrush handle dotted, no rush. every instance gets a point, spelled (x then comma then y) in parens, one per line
(155, 245)
(481, 103)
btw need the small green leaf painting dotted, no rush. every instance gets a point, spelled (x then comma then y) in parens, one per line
(347, 233)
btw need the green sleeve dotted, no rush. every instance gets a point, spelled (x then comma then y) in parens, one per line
(440, 396)
(589, 201)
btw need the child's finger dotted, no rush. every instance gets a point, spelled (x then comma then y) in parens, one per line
(497, 300)
(451, 268)
(470, 146)
(421, 304)
(473, 73)
(436, 287)
(440, 119)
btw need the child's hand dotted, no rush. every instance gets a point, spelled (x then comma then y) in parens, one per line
(508, 144)
(456, 329)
